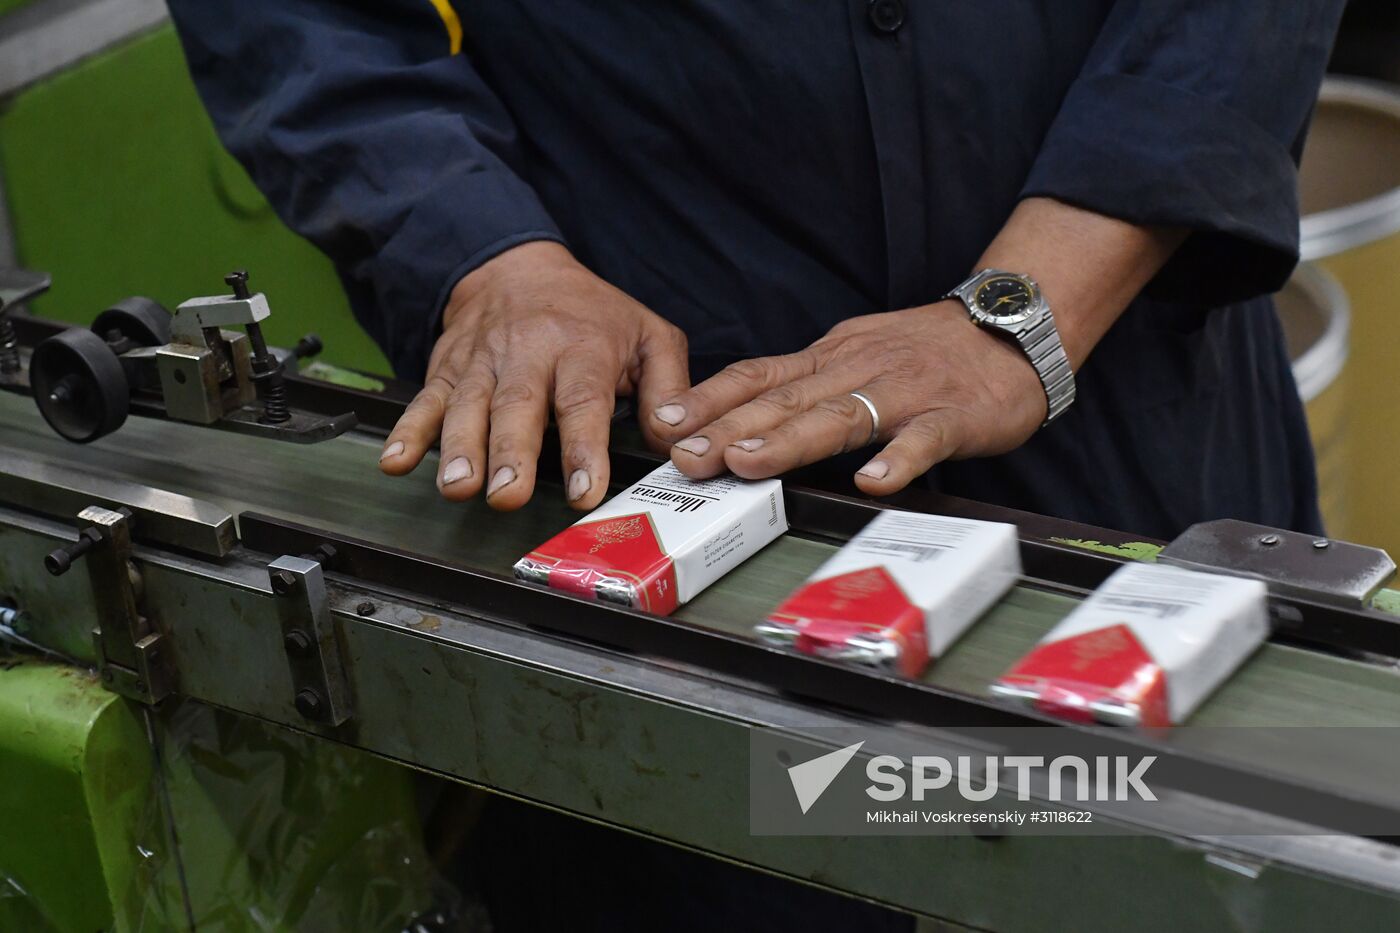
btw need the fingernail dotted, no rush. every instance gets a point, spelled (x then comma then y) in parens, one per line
(504, 477)
(671, 414)
(393, 450)
(699, 446)
(751, 444)
(875, 469)
(579, 484)
(458, 468)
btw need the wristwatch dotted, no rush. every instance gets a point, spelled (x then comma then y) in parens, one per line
(1012, 304)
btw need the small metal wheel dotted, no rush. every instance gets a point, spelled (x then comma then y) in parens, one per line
(79, 385)
(143, 321)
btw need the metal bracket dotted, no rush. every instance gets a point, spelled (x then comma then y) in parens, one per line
(1293, 564)
(321, 691)
(129, 648)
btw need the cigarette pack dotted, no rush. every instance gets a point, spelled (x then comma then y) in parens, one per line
(658, 543)
(900, 592)
(1144, 649)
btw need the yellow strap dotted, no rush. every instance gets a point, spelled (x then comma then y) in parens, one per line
(453, 24)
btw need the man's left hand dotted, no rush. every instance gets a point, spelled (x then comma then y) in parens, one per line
(944, 389)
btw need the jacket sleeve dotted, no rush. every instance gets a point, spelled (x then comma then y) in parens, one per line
(372, 135)
(1192, 113)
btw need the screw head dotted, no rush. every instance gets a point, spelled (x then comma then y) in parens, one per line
(283, 582)
(308, 703)
(1322, 544)
(1270, 540)
(238, 281)
(297, 643)
(365, 609)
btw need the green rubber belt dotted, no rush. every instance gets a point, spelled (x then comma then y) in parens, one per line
(337, 486)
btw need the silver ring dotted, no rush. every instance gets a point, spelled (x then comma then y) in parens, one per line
(874, 416)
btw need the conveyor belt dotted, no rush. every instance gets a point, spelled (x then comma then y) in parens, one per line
(337, 486)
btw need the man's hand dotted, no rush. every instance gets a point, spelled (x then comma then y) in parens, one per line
(530, 330)
(944, 388)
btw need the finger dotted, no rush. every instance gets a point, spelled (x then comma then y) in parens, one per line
(462, 464)
(519, 412)
(583, 406)
(679, 417)
(833, 425)
(750, 425)
(665, 374)
(923, 442)
(417, 428)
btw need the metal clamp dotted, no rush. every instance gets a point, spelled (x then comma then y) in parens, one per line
(1292, 564)
(129, 648)
(320, 689)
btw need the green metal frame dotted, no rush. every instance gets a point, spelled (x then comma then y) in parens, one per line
(193, 818)
(77, 770)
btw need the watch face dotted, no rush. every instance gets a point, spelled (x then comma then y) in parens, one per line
(1005, 299)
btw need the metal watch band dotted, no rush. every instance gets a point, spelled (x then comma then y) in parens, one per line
(1047, 354)
(1040, 341)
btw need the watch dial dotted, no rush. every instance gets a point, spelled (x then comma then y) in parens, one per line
(1005, 299)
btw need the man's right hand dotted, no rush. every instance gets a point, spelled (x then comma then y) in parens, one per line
(525, 331)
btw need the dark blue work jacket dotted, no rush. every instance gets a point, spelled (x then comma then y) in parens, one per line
(758, 170)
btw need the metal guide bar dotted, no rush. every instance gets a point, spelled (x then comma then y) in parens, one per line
(160, 517)
(498, 599)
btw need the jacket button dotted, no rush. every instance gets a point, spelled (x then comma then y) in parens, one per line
(886, 15)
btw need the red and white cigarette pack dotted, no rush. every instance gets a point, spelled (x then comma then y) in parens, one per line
(658, 543)
(1145, 648)
(900, 592)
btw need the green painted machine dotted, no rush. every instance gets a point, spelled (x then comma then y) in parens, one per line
(119, 818)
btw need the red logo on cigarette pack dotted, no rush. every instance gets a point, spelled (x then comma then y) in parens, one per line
(625, 548)
(864, 602)
(1106, 664)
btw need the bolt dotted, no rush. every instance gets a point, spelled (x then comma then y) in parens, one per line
(308, 703)
(283, 582)
(1270, 540)
(322, 553)
(60, 559)
(1322, 544)
(238, 281)
(297, 643)
(64, 391)
(365, 609)
(307, 347)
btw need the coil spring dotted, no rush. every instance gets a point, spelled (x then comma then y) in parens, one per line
(275, 406)
(9, 346)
